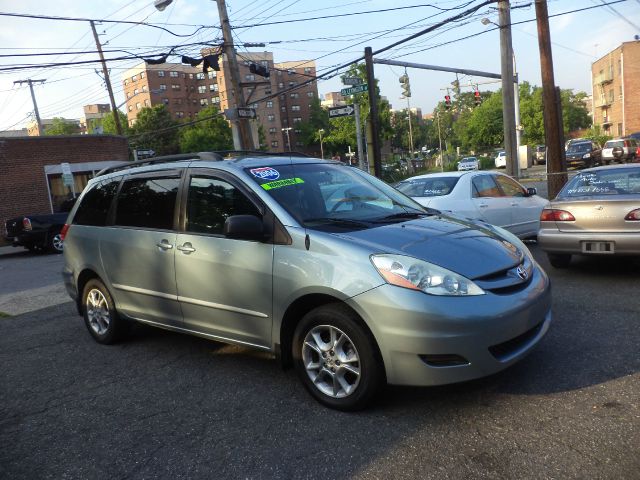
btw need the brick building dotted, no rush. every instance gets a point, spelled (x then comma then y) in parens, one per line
(616, 90)
(185, 90)
(31, 180)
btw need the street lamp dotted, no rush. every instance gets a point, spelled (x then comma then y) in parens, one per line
(321, 131)
(286, 130)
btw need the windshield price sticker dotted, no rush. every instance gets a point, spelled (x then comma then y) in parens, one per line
(265, 173)
(282, 183)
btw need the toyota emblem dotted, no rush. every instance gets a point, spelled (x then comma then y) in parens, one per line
(522, 273)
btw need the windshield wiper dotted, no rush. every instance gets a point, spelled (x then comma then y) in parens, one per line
(342, 221)
(408, 215)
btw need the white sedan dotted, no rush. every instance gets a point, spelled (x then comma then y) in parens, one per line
(501, 160)
(489, 196)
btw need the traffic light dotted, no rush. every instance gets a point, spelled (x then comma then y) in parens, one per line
(447, 101)
(478, 98)
(406, 87)
(259, 70)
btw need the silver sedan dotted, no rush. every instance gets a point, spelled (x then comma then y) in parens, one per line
(596, 213)
(489, 196)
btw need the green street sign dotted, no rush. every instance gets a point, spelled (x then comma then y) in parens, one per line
(355, 89)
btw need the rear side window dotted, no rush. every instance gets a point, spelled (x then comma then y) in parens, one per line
(431, 187)
(510, 187)
(147, 202)
(485, 186)
(96, 203)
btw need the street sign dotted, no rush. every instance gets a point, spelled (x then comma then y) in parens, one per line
(355, 89)
(67, 176)
(352, 81)
(240, 112)
(140, 154)
(344, 111)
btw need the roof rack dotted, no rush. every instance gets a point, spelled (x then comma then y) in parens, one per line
(213, 156)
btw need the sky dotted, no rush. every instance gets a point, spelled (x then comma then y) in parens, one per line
(578, 38)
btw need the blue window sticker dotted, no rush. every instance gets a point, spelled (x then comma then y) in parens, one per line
(265, 173)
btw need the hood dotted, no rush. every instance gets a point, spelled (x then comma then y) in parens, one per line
(465, 247)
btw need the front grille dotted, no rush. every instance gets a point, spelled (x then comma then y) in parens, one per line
(509, 280)
(444, 360)
(503, 351)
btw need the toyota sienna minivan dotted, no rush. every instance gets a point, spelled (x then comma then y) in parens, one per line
(324, 266)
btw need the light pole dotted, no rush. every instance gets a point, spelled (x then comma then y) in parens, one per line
(286, 130)
(320, 132)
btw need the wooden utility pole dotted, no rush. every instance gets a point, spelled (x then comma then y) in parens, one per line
(33, 97)
(374, 119)
(105, 71)
(244, 129)
(551, 111)
(508, 105)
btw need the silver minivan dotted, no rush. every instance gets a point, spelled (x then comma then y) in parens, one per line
(324, 266)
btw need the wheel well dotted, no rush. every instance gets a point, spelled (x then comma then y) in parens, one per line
(299, 309)
(83, 278)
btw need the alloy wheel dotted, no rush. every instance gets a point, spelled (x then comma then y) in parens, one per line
(98, 311)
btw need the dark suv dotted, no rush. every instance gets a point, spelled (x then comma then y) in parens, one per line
(584, 153)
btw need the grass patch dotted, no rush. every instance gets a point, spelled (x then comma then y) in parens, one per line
(4, 315)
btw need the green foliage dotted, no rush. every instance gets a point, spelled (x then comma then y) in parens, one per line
(596, 134)
(109, 124)
(482, 128)
(212, 133)
(61, 126)
(155, 129)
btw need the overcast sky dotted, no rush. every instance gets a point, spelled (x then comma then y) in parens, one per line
(578, 39)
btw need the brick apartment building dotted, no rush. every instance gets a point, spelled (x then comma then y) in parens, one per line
(185, 90)
(616, 90)
(31, 180)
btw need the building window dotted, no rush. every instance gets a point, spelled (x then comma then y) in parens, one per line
(161, 73)
(291, 71)
(211, 74)
(250, 77)
(307, 69)
(272, 130)
(295, 108)
(281, 85)
(165, 101)
(267, 91)
(146, 102)
(274, 143)
(138, 106)
(295, 95)
(163, 87)
(173, 74)
(194, 101)
(215, 100)
(191, 88)
(144, 88)
(191, 77)
(136, 91)
(126, 81)
(269, 104)
(271, 118)
(253, 105)
(619, 129)
(264, 63)
(175, 86)
(200, 76)
(297, 119)
(292, 84)
(202, 89)
(204, 101)
(129, 95)
(299, 144)
(179, 114)
(298, 131)
(177, 101)
(283, 108)
(141, 74)
(611, 95)
(130, 108)
(134, 78)
(213, 87)
(309, 94)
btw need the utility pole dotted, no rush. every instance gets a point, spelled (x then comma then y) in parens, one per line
(508, 109)
(33, 97)
(287, 130)
(552, 125)
(116, 117)
(246, 140)
(440, 142)
(361, 161)
(373, 114)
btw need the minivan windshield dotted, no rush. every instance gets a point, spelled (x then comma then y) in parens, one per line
(325, 193)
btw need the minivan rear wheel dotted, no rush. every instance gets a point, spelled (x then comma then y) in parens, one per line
(336, 359)
(100, 315)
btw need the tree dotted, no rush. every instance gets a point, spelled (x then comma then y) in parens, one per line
(156, 130)
(484, 125)
(318, 120)
(62, 126)
(211, 133)
(109, 124)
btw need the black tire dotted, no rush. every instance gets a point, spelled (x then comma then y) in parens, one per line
(54, 242)
(356, 343)
(559, 260)
(100, 316)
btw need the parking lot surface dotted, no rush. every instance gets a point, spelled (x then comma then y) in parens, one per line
(164, 405)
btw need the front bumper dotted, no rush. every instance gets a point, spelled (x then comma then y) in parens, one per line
(431, 340)
(555, 241)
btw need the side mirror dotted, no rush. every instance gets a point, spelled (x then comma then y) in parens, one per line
(243, 227)
(531, 192)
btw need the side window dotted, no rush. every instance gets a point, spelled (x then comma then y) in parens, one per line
(211, 201)
(485, 186)
(510, 187)
(96, 203)
(147, 202)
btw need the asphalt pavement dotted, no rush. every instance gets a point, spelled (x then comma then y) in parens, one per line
(165, 405)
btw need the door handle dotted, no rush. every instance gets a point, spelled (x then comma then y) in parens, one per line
(186, 248)
(483, 205)
(514, 204)
(164, 245)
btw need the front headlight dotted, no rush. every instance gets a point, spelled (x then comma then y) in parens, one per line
(586, 155)
(409, 272)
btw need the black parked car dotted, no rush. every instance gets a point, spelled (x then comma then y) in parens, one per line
(38, 232)
(584, 153)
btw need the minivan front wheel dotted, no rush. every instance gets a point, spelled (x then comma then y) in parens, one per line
(336, 359)
(100, 316)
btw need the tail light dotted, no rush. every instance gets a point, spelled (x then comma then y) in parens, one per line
(63, 232)
(633, 215)
(554, 215)
(26, 224)
(626, 143)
